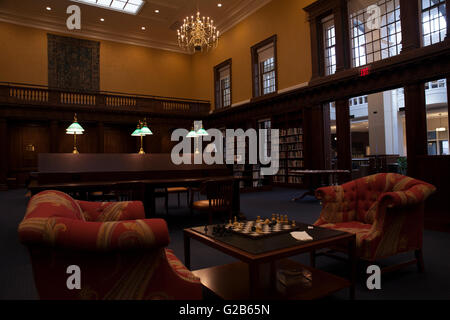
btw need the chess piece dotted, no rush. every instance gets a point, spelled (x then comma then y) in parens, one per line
(258, 219)
(293, 223)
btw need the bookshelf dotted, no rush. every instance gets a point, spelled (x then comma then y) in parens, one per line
(291, 157)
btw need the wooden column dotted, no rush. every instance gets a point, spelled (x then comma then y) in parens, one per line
(100, 137)
(342, 36)
(409, 15)
(344, 138)
(4, 154)
(54, 137)
(447, 8)
(448, 99)
(416, 125)
(317, 137)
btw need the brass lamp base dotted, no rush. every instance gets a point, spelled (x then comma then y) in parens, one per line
(75, 151)
(141, 151)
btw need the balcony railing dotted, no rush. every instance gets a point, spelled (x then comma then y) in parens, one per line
(22, 94)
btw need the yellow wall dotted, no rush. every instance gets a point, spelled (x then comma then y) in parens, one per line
(23, 54)
(123, 68)
(141, 70)
(286, 19)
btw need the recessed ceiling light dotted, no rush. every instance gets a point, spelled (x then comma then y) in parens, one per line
(156, 11)
(142, 28)
(101, 19)
(219, 5)
(48, 9)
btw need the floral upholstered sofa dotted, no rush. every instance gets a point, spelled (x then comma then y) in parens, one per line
(385, 211)
(121, 255)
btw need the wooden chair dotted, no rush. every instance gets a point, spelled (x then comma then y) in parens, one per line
(178, 191)
(219, 197)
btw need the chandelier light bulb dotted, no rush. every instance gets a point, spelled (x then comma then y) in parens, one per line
(197, 33)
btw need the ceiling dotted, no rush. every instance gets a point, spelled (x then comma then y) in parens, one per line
(160, 28)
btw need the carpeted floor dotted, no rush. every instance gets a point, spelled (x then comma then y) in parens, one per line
(16, 279)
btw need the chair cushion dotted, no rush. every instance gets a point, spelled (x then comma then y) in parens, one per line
(201, 204)
(177, 189)
(53, 203)
(361, 230)
(204, 205)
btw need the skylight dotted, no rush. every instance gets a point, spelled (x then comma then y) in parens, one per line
(125, 6)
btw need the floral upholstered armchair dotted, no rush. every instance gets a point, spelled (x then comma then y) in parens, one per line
(121, 254)
(385, 211)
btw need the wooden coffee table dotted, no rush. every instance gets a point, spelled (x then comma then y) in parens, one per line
(255, 276)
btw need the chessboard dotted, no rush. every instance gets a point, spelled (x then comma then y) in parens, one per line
(248, 229)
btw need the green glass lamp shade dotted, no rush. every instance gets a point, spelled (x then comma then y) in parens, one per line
(192, 134)
(202, 132)
(75, 128)
(136, 133)
(146, 131)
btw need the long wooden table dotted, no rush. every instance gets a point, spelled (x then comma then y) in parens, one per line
(144, 190)
(318, 182)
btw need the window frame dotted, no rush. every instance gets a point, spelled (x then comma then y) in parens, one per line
(422, 23)
(218, 90)
(257, 75)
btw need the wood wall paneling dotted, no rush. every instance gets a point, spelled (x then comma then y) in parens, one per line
(3, 153)
(26, 140)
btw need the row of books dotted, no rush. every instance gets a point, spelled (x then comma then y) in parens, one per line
(291, 131)
(291, 154)
(291, 139)
(291, 146)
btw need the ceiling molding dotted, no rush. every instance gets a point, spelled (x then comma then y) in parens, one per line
(234, 15)
(240, 12)
(48, 25)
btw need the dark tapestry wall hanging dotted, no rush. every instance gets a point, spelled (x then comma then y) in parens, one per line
(73, 63)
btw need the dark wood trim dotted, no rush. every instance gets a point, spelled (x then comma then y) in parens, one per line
(256, 87)
(343, 57)
(217, 68)
(316, 29)
(448, 100)
(316, 130)
(447, 7)
(4, 154)
(54, 126)
(410, 20)
(416, 125)
(317, 11)
(343, 133)
(100, 137)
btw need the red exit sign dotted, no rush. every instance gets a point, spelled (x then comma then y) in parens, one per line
(364, 72)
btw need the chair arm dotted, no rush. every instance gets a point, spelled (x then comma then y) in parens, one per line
(326, 194)
(95, 236)
(112, 211)
(414, 195)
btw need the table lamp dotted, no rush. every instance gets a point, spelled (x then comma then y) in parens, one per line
(142, 130)
(75, 129)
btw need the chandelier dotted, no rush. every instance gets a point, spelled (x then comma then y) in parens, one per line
(196, 34)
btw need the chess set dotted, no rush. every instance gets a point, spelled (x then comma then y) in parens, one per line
(258, 228)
